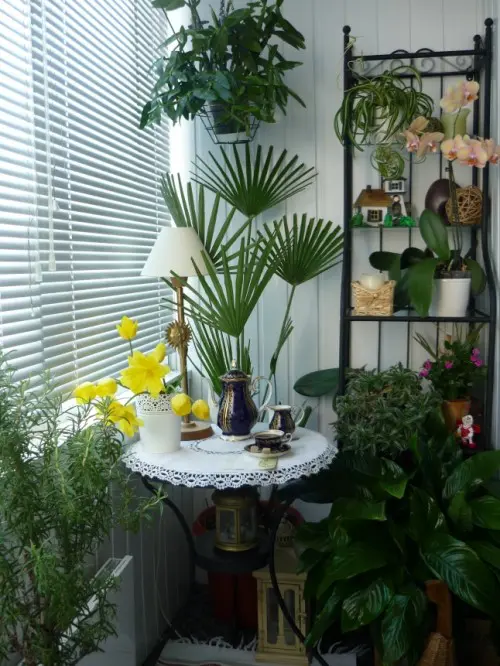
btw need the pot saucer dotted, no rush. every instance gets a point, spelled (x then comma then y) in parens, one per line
(264, 454)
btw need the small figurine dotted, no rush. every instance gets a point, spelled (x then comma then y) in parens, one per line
(357, 220)
(396, 209)
(466, 431)
(407, 222)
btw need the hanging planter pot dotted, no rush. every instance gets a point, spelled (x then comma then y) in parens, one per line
(224, 130)
(161, 432)
(451, 294)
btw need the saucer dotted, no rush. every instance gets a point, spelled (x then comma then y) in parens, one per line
(263, 454)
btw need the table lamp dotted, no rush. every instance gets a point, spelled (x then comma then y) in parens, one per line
(174, 251)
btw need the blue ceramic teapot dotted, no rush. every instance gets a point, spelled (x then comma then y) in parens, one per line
(237, 411)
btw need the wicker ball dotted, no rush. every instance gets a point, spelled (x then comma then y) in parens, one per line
(470, 205)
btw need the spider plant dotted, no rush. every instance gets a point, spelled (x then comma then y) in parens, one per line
(299, 251)
(385, 105)
(216, 352)
(188, 211)
(226, 300)
(256, 185)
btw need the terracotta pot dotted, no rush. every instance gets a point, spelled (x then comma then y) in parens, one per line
(455, 410)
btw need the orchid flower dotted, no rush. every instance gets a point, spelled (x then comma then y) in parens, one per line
(429, 143)
(450, 147)
(492, 150)
(472, 153)
(412, 141)
(418, 125)
(459, 95)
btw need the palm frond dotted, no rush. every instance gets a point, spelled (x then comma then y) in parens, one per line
(302, 250)
(216, 352)
(226, 300)
(189, 211)
(285, 333)
(253, 186)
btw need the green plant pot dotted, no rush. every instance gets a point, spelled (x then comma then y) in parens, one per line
(219, 121)
(455, 123)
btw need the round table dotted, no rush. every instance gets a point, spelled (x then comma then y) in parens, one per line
(216, 463)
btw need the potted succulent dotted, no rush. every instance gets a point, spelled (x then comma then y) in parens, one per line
(230, 67)
(160, 404)
(440, 276)
(58, 463)
(376, 110)
(453, 372)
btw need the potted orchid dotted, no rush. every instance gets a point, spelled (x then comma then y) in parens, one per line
(452, 372)
(453, 273)
(160, 404)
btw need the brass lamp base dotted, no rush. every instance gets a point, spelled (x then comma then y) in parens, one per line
(195, 430)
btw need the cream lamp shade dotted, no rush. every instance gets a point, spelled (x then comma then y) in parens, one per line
(174, 251)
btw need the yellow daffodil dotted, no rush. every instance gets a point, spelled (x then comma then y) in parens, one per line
(106, 388)
(160, 351)
(114, 411)
(127, 328)
(181, 404)
(124, 417)
(144, 374)
(85, 393)
(201, 410)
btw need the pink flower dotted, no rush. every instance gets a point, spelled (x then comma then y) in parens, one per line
(472, 153)
(418, 125)
(476, 352)
(427, 365)
(459, 95)
(492, 151)
(450, 147)
(448, 365)
(429, 143)
(478, 363)
(423, 373)
(412, 141)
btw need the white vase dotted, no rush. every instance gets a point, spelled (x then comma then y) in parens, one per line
(161, 432)
(451, 297)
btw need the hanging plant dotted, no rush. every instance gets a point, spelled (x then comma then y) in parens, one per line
(379, 109)
(388, 162)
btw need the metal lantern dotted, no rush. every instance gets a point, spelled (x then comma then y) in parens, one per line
(276, 641)
(235, 519)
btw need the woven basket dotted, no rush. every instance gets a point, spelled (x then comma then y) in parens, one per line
(470, 206)
(374, 302)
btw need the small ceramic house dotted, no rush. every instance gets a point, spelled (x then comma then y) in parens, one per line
(396, 188)
(373, 205)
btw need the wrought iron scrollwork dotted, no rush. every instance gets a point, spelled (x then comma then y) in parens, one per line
(424, 61)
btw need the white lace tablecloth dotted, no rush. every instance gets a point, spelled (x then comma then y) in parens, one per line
(219, 464)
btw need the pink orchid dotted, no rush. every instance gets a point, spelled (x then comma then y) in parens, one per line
(476, 352)
(472, 153)
(492, 150)
(448, 365)
(450, 147)
(418, 125)
(459, 95)
(412, 141)
(478, 363)
(423, 373)
(429, 143)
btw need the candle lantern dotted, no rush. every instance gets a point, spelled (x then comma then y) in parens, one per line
(276, 641)
(235, 519)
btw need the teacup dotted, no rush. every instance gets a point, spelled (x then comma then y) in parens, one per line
(271, 439)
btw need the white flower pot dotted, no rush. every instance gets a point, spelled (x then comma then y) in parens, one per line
(451, 297)
(161, 432)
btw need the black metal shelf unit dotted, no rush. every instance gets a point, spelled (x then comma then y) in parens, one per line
(474, 64)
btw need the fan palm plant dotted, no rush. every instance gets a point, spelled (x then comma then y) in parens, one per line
(187, 210)
(256, 185)
(299, 251)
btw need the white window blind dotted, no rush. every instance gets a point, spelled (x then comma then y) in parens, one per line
(98, 206)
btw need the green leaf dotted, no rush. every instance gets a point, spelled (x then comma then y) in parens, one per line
(420, 283)
(460, 511)
(354, 559)
(425, 516)
(466, 575)
(384, 261)
(319, 383)
(308, 559)
(401, 620)
(486, 512)
(435, 234)
(411, 256)
(314, 535)
(487, 551)
(474, 470)
(326, 617)
(354, 509)
(478, 276)
(365, 605)
(168, 5)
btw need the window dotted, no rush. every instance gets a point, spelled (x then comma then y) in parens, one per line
(374, 215)
(80, 198)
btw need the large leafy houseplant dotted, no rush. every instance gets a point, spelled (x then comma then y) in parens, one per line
(393, 526)
(415, 270)
(56, 509)
(231, 62)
